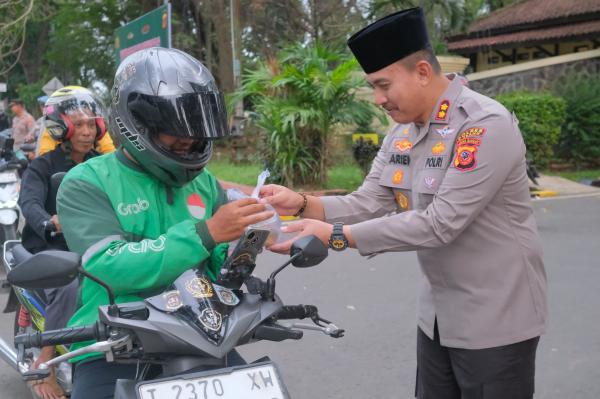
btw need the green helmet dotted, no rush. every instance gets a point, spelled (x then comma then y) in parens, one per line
(160, 90)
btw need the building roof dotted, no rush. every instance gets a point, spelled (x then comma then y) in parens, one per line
(579, 31)
(536, 11)
(531, 22)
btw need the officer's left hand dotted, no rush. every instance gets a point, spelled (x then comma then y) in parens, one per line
(304, 227)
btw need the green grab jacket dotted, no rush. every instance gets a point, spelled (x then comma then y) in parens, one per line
(134, 232)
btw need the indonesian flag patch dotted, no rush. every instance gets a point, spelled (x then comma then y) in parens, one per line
(196, 206)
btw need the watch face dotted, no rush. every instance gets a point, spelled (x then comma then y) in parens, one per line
(338, 243)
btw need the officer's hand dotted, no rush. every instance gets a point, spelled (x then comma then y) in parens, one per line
(304, 227)
(285, 201)
(229, 222)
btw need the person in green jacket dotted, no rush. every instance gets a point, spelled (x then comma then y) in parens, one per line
(143, 215)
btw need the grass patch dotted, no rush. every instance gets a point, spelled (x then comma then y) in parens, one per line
(242, 173)
(576, 175)
(347, 177)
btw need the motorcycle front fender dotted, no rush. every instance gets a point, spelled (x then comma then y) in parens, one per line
(8, 216)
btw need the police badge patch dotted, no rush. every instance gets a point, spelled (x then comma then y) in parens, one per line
(199, 287)
(402, 145)
(402, 201)
(445, 131)
(172, 300)
(466, 148)
(211, 319)
(226, 296)
(398, 177)
(465, 157)
(442, 112)
(429, 182)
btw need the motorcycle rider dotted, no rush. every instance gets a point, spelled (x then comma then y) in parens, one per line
(75, 117)
(156, 211)
(47, 141)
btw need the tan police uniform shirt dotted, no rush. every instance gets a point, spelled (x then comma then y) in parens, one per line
(456, 191)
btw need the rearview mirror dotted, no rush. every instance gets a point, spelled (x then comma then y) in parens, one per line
(47, 269)
(312, 251)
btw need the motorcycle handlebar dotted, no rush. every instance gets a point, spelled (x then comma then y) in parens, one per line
(297, 312)
(63, 336)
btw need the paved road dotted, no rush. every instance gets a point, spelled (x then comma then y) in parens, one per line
(375, 301)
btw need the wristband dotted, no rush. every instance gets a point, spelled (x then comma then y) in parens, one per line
(303, 207)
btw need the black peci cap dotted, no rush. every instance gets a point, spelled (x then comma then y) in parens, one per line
(390, 39)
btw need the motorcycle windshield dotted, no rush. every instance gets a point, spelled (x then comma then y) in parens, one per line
(195, 299)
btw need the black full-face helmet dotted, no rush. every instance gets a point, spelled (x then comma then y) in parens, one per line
(166, 91)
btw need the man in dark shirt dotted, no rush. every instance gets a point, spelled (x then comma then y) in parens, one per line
(77, 118)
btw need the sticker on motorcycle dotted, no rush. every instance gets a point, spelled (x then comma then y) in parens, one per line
(226, 296)
(199, 287)
(211, 319)
(172, 300)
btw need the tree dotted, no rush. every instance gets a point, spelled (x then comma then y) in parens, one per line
(297, 100)
(15, 14)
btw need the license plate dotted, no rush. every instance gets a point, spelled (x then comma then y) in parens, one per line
(248, 382)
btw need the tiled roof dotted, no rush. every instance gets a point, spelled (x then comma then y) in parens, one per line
(535, 12)
(533, 36)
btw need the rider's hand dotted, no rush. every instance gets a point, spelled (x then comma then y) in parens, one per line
(230, 220)
(285, 201)
(54, 219)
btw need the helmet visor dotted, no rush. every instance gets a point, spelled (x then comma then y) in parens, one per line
(78, 103)
(194, 115)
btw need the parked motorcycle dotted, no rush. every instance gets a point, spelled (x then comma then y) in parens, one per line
(181, 337)
(10, 177)
(29, 304)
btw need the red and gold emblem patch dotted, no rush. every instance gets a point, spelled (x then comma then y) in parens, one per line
(398, 177)
(474, 132)
(466, 148)
(442, 112)
(403, 145)
(465, 157)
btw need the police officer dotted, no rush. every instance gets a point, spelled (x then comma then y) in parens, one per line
(450, 183)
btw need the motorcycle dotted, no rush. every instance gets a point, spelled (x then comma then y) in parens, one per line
(11, 166)
(29, 304)
(180, 338)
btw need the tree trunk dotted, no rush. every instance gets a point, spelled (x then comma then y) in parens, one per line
(222, 28)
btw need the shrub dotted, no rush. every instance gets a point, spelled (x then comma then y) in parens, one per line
(541, 116)
(579, 141)
(364, 151)
(297, 100)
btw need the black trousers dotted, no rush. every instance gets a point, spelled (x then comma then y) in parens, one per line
(96, 379)
(504, 372)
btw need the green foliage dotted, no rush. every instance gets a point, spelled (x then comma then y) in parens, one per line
(344, 176)
(364, 151)
(580, 138)
(540, 118)
(297, 99)
(29, 95)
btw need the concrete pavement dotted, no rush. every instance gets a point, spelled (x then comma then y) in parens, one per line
(375, 300)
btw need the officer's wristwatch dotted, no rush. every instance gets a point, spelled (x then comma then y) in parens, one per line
(338, 241)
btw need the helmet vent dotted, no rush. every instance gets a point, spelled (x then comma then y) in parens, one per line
(133, 138)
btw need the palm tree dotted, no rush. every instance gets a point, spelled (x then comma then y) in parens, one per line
(297, 99)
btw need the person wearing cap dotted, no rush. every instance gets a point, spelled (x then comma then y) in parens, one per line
(449, 182)
(23, 124)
